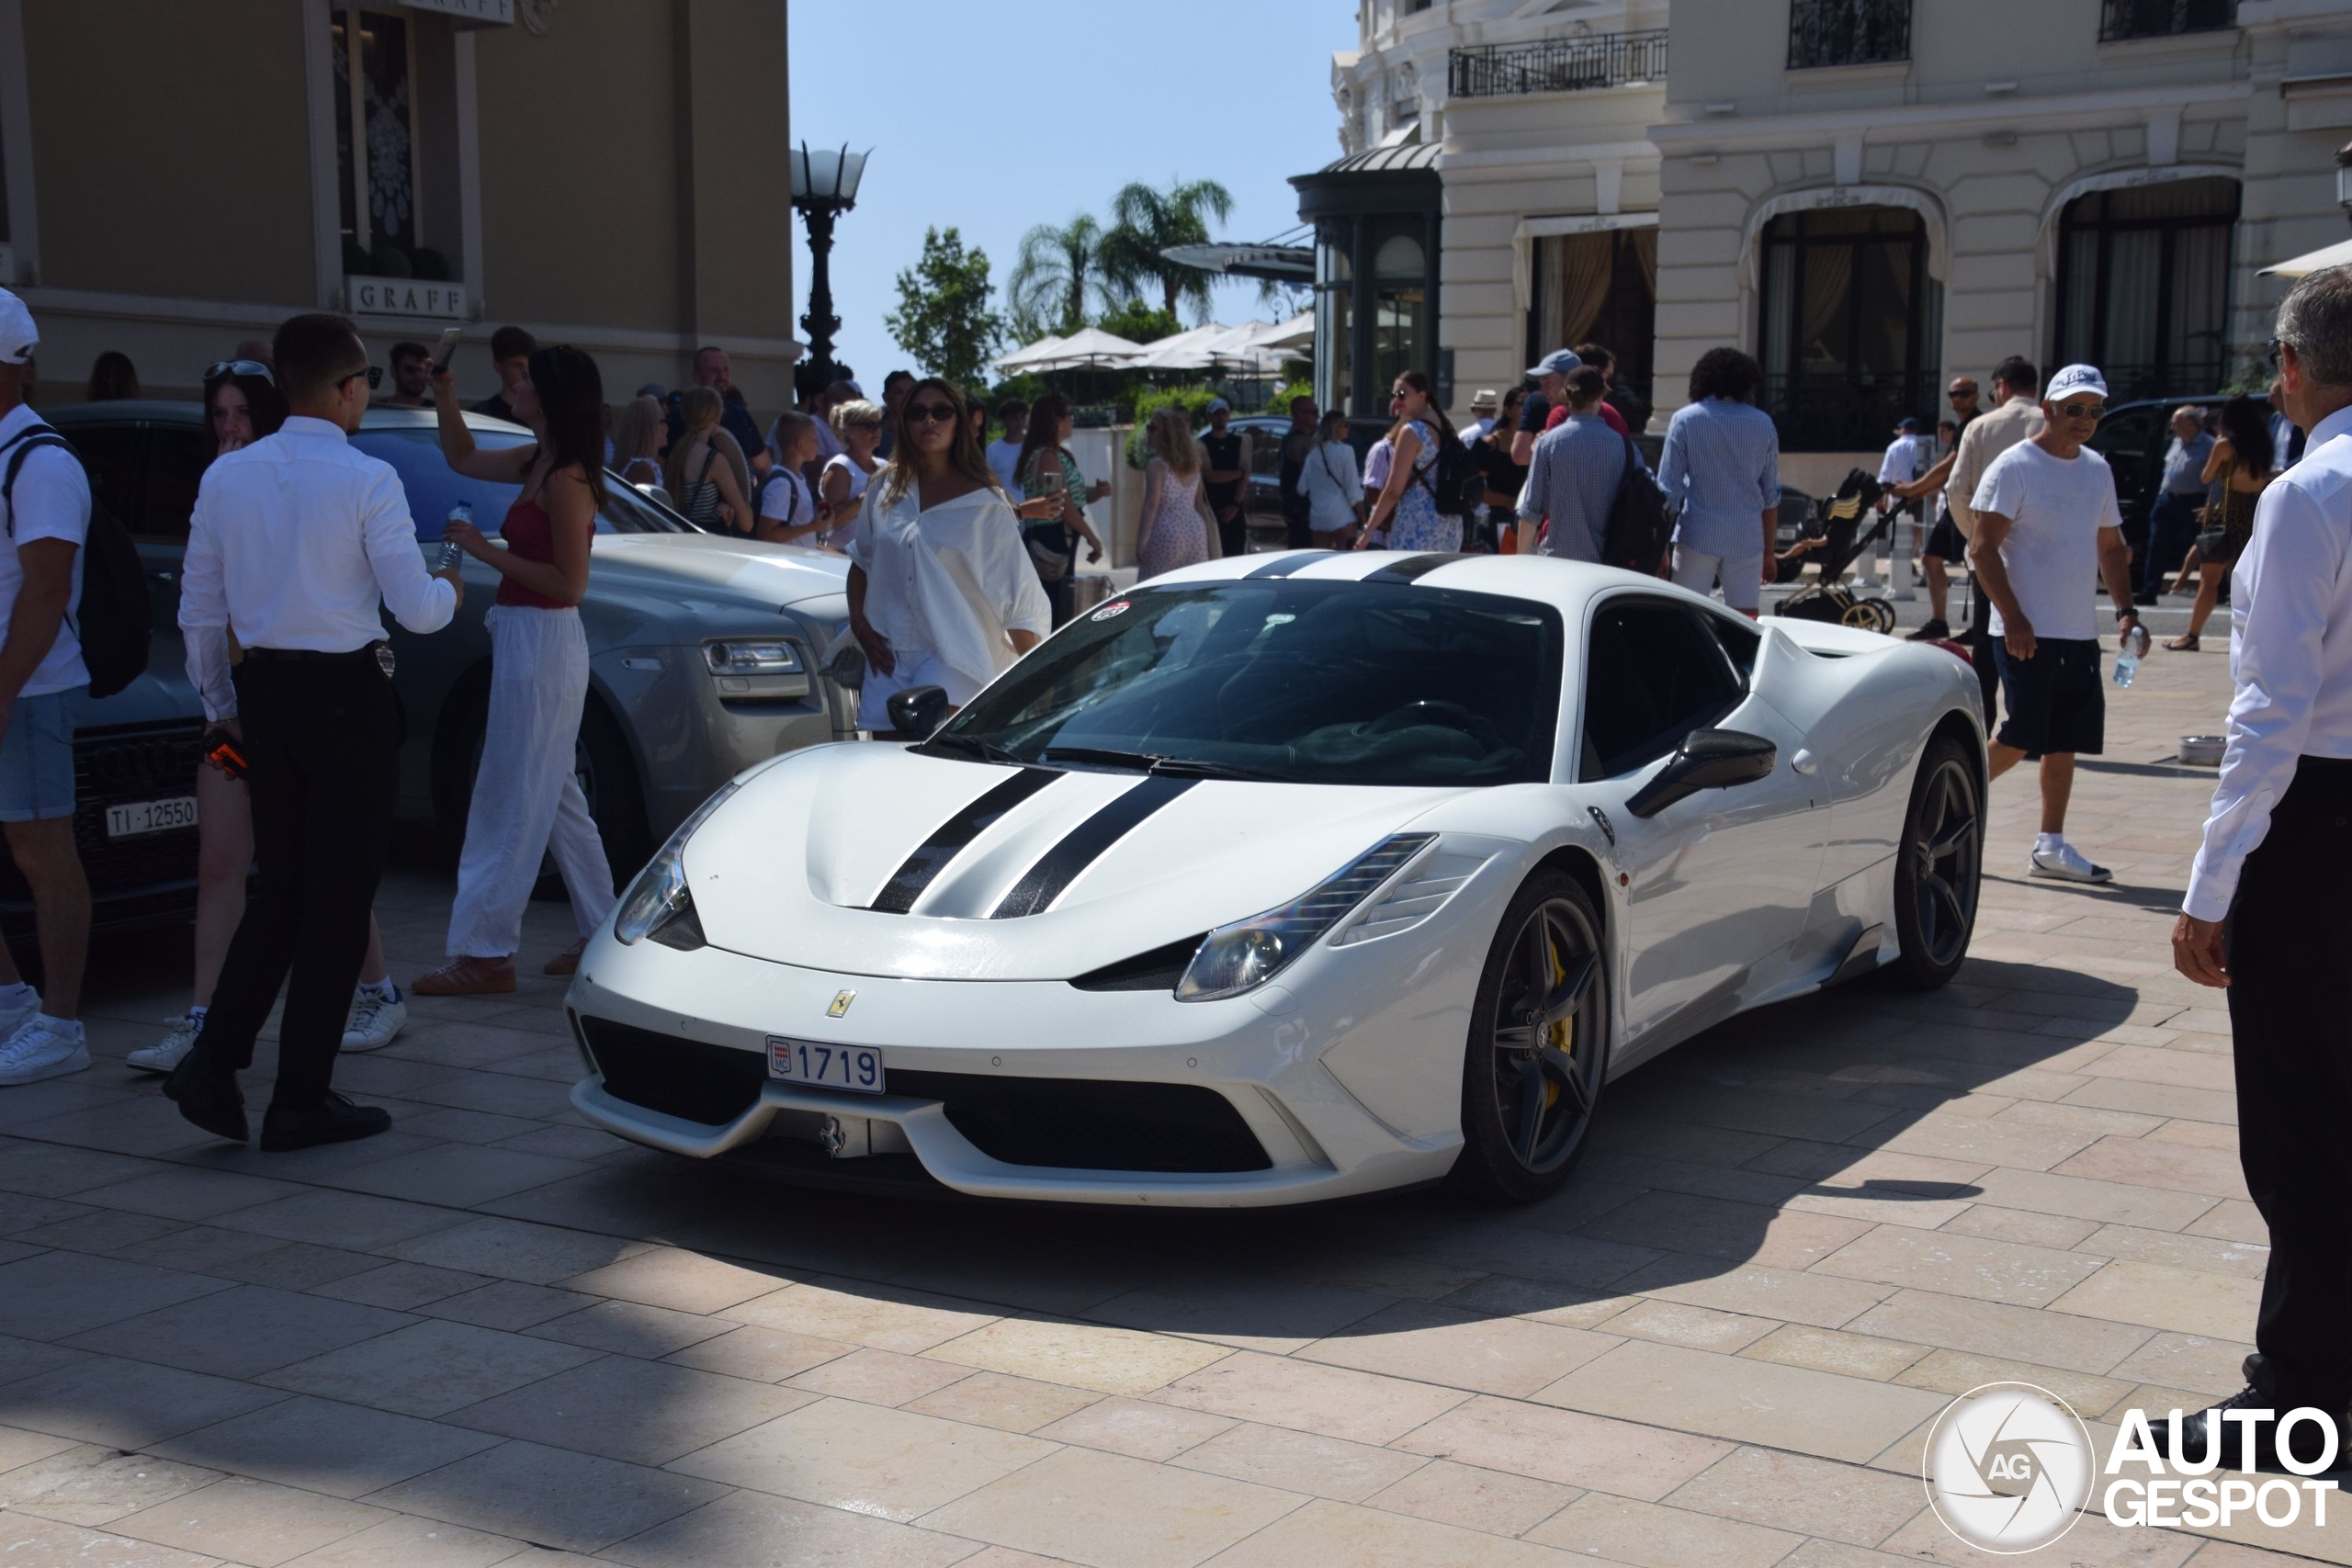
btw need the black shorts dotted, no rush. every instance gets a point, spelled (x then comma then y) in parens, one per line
(2055, 700)
(1944, 542)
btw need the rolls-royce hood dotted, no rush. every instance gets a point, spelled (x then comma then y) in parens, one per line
(720, 567)
(872, 859)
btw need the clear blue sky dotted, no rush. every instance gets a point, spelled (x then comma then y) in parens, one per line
(992, 120)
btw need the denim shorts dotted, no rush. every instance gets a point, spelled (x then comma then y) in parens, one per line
(36, 759)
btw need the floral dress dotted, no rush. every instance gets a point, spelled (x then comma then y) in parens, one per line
(1178, 535)
(1415, 524)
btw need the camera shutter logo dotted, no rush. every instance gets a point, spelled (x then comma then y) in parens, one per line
(2008, 1467)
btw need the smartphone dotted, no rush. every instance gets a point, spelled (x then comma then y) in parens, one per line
(445, 347)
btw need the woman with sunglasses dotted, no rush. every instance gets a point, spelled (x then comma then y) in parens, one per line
(526, 801)
(242, 405)
(940, 593)
(1406, 512)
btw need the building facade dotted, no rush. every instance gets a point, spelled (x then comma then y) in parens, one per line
(175, 178)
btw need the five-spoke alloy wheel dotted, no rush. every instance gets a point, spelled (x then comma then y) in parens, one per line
(1939, 867)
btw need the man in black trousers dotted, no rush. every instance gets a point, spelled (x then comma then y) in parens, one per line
(295, 542)
(2268, 912)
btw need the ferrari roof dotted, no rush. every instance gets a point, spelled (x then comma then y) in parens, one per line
(1563, 583)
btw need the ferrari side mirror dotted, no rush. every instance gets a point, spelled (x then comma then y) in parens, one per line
(919, 710)
(1708, 758)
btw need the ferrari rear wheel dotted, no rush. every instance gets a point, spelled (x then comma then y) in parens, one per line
(1539, 1040)
(1939, 867)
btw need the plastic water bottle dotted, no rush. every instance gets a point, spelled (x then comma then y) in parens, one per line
(462, 511)
(2126, 663)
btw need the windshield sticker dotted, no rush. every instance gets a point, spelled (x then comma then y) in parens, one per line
(1118, 607)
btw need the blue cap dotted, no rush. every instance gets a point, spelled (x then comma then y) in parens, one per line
(1559, 362)
(1910, 426)
(1218, 405)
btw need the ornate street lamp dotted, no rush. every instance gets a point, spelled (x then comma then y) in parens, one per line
(824, 184)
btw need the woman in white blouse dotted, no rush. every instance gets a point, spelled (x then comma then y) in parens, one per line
(941, 591)
(1334, 491)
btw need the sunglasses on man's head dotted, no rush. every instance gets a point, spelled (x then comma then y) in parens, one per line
(241, 368)
(933, 413)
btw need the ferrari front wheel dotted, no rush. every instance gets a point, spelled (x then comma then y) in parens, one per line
(1538, 1047)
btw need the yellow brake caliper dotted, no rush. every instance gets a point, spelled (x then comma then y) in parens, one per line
(1560, 1036)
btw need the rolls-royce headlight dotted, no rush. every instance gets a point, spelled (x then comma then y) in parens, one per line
(659, 896)
(751, 656)
(1246, 955)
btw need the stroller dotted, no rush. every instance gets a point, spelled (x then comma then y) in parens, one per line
(1827, 598)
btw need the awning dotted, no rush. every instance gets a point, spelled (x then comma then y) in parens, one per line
(1282, 263)
(2337, 254)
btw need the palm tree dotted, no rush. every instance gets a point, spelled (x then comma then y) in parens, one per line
(1144, 221)
(1059, 267)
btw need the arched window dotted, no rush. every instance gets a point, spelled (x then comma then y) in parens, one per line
(1850, 319)
(2144, 279)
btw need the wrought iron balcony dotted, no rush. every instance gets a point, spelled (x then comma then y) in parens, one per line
(2121, 19)
(1555, 65)
(1847, 32)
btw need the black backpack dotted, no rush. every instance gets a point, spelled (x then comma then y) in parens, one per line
(1459, 486)
(1638, 531)
(113, 621)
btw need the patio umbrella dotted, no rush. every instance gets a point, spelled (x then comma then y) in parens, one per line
(1237, 349)
(1296, 335)
(1184, 351)
(2336, 254)
(1091, 348)
(1021, 358)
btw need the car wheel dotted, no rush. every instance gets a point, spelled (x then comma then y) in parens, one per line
(1538, 1046)
(1939, 867)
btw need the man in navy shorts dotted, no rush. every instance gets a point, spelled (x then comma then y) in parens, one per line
(2045, 517)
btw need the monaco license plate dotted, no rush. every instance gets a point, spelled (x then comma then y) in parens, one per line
(150, 817)
(857, 1068)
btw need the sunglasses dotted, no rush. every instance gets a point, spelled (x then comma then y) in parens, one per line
(2082, 410)
(375, 374)
(932, 413)
(2270, 352)
(241, 368)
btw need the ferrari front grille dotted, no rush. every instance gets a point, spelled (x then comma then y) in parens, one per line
(1088, 1124)
(686, 1078)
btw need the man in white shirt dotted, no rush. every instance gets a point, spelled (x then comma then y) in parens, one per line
(46, 511)
(2267, 914)
(1908, 456)
(296, 541)
(1482, 404)
(1004, 454)
(2045, 517)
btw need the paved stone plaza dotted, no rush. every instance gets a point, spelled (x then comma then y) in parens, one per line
(497, 1336)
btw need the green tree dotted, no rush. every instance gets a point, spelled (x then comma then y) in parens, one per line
(1139, 322)
(1145, 222)
(942, 317)
(1059, 271)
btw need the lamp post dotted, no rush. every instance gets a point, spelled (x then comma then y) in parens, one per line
(824, 184)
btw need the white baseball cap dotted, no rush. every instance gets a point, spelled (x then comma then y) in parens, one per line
(2074, 378)
(18, 336)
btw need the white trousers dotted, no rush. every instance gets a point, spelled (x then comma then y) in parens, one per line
(1742, 580)
(526, 797)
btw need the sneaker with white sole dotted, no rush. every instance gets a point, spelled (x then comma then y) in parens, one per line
(375, 1020)
(2067, 863)
(42, 1048)
(171, 1049)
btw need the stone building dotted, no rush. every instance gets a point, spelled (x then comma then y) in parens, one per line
(176, 177)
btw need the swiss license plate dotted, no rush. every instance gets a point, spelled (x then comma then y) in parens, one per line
(855, 1067)
(150, 817)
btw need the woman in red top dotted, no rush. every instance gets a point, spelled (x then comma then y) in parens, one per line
(526, 800)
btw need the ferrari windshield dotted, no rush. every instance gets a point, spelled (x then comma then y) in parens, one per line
(1313, 682)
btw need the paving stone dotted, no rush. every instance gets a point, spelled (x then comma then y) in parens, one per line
(1832, 1350)
(430, 1368)
(763, 1355)
(1960, 1265)
(1138, 1428)
(2190, 1300)
(631, 1329)
(1810, 1496)
(1466, 1350)
(1333, 1532)
(54, 1294)
(401, 1286)
(88, 1483)
(1008, 1403)
(1301, 1461)
(679, 1281)
(750, 1527)
(575, 1501)
(242, 1332)
(402, 1541)
(891, 1464)
(508, 1304)
(1991, 1328)
(353, 1220)
(38, 1541)
(318, 1445)
(1108, 1361)
(513, 1249)
(1099, 1509)
(643, 1412)
(127, 1405)
(885, 1317)
(1621, 1530)
(1568, 1446)
(251, 1521)
(1491, 1500)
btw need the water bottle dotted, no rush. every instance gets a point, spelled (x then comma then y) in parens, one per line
(2126, 663)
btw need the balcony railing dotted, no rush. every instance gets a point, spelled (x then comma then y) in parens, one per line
(1847, 32)
(2121, 19)
(1556, 65)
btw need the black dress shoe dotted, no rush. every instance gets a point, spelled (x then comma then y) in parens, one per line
(335, 1119)
(207, 1096)
(2199, 1432)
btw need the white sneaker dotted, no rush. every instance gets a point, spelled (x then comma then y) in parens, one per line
(169, 1052)
(39, 1050)
(11, 1017)
(2066, 864)
(374, 1021)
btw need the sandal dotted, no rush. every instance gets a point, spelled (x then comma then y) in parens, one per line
(2182, 644)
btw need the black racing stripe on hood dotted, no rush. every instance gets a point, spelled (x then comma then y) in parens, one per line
(898, 894)
(1412, 567)
(1059, 867)
(1289, 564)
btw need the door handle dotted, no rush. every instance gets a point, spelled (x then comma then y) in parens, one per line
(1804, 762)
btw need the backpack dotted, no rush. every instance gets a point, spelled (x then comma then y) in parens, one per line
(1637, 532)
(1459, 485)
(114, 619)
(777, 474)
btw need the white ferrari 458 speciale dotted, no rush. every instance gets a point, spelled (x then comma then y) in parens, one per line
(1289, 877)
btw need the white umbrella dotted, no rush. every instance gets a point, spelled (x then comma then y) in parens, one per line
(2336, 254)
(1298, 332)
(1090, 348)
(1184, 351)
(1238, 350)
(1020, 358)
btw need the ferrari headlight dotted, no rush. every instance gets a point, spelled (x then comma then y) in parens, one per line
(1236, 958)
(658, 895)
(751, 656)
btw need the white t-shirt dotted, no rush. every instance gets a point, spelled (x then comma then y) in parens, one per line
(1004, 462)
(1907, 456)
(52, 500)
(787, 500)
(2056, 507)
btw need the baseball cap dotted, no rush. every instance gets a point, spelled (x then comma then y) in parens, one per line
(1910, 426)
(18, 336)
(1559, 362)
(1218, 405)
(2074, 378)
(1484, 398)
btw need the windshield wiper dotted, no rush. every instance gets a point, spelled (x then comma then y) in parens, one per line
(973, 745)
(1166, 767)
